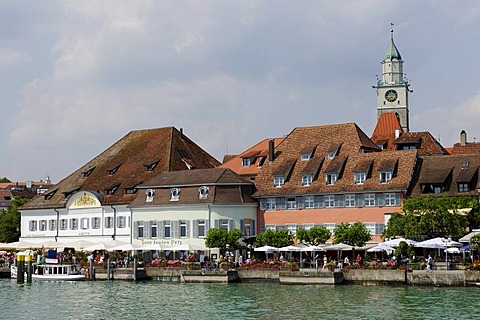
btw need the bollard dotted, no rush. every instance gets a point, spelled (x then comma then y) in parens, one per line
(108, 269)
(135, 269)
(90, 268)
(20, 268)
(28, 258)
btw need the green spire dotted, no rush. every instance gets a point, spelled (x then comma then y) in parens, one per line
(392, 51)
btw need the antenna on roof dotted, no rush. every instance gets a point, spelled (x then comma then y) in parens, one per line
(391, 31)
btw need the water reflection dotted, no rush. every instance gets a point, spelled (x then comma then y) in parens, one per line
(164, 300)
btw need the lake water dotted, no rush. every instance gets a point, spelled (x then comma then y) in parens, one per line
(166, 300)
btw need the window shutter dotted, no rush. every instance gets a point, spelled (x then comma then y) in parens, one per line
(207, 226)
(397, 199)
(242, 225)
(231, 224)
(161, 229)
(175, 227)
(380, 199)
(360, 200)
(318, 201)
(135, 229)
(189, 223)
(252, 227)
(146, 229)
(300, 202)
(339, 201)
(217, 223)
(195, 229)
(263, 204)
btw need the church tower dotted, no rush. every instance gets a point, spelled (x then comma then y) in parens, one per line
(392, 89)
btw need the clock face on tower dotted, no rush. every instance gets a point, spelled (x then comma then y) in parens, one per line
(391, 95)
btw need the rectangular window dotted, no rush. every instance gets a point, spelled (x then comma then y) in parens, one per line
(437, 189)
(247, 227)
(271, 203)
(329, 201)
(292, 228)
(74, 224)
(307, 180)
(43, 225)
(32, 225)
(309, 202)
(109, 222)
(369, 200)
(223, 224)
(63, 224)
(291, 203)
(183, 228)
(84, 223)
(167, 229)
(140, 231)
(350, 200)
(201, 228)
(385, 176)
(371, 227)
(360, 177)
(122, 222)
(153, 229)
(331, 178)
(95, 223)
(53, 225)
(278, 181)
(330, 226)
(245, 162)
(463, 187)
(390, 199)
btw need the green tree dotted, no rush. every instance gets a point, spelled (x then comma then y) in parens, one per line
(434, 217)
(475, 241)
(274, 238)
(314, 235)
(221, 238)
(10, 221)
(404, 250)
(355, 235)
(4, 179)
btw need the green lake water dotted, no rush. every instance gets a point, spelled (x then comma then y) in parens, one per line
(166, 300)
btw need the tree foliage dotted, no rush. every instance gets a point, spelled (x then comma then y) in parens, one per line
(274, 238)
(433, 217)
(10, 221)
(475, 241)
(221, 238)
(404, 250)
(355, 235)
(4, 179)
(314, 235)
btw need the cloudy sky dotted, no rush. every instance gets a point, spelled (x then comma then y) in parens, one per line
(76, 76)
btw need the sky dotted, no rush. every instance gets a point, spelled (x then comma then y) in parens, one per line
(76, 76)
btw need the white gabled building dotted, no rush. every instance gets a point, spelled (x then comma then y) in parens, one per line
(178, 208)
(92, 203)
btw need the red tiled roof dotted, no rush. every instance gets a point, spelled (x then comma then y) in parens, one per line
(167, 148)
(258, 151)
(387, 124)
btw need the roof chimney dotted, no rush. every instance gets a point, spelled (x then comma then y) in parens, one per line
(397, 133)
(463, 138)
(271, 150)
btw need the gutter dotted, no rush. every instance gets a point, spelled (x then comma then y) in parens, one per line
(58, 223)
(114, 222)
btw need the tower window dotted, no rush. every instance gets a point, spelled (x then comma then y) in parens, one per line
(151, 166)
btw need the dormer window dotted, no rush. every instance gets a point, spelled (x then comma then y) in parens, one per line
(331, 154)
(151, 166)
(112, 171)
(88, 172)
(183, 154)
(130, 190)
(307, 179)
(175, 194)
(245, 162)
(150, 194)
(305, 156)
(278, 181)
(260, 161)
(465, 164)
(463, 187)
(49, 195)
(360, 177)
(112, 190)
(385, 176)
(203, 193)
(331, 178)
(70, 193)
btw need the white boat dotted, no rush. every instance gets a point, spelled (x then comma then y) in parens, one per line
(52, 272)
(57, 272)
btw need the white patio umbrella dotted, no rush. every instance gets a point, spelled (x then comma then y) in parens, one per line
(97, 246)
(152, 247)
(397, 241)
(79, 244)
(292, 249)
(267, 249)
(185, 247)
(380, 248)
(339, 247)
(126, 247)
(19, 245)
(312, 249)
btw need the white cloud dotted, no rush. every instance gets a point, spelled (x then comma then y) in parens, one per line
(10, 57)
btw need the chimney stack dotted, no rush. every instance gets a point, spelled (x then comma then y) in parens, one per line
(271, 150)
(463, 138)
(397, 133)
